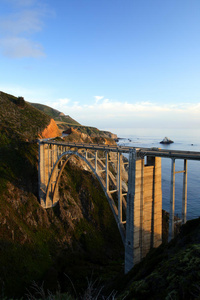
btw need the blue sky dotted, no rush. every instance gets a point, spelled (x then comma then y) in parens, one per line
(106, 63)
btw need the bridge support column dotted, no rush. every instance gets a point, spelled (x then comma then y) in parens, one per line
(55, 187)
(96, 161)
(107, 170)
(53, 195)
(43, 169)
(184, 201)
(144, 208)
(172, 197)
(119, 187)
(129, 244)
(172, 202)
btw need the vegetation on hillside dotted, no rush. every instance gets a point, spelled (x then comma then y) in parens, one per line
(171, 271)
(19, 121)
(90, 131)
(55, 114)
(76, 239)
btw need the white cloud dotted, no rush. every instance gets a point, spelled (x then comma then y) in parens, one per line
(26, 21)
(17, 29)
(63, 101)
(116, 114)
(60, 103)
(98, 98)
(108, 113)
(17, 47)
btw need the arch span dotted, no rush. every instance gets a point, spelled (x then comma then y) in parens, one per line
(143, 214)
(52, 191)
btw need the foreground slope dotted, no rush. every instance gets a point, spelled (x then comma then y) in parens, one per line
(171, 271)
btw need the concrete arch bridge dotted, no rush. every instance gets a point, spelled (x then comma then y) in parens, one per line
(136, 206)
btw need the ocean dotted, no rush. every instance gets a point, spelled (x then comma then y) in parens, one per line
(183, 140)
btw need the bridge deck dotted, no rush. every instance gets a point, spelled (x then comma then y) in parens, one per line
(177, 154)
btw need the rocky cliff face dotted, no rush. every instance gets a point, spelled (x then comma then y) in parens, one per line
(110, 135)
(51, 131)
(83, 134)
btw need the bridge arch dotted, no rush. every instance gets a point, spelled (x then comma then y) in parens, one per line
(52, 191)
(140, 227)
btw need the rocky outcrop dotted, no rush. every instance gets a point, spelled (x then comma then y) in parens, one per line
(50, 131)
(110, 135)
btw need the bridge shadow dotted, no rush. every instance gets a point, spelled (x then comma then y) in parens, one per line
(18, 165)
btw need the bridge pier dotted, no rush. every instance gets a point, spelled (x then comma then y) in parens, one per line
(43, 172)
(144, 208)
(172, 197)
(54, 186)
(48, 155)
(119, 186)
(184, 198)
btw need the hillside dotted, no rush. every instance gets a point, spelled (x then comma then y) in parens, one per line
(20, 121)
(67, 124)
(55, 114)
(76, 239)
(171, 271)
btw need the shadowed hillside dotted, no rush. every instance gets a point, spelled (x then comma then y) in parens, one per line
(78, 238)
(171, 271)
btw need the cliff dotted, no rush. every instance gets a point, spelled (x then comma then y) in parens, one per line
(51, 131)
(88, 135)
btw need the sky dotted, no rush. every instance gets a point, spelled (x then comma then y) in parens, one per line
(106, 63)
